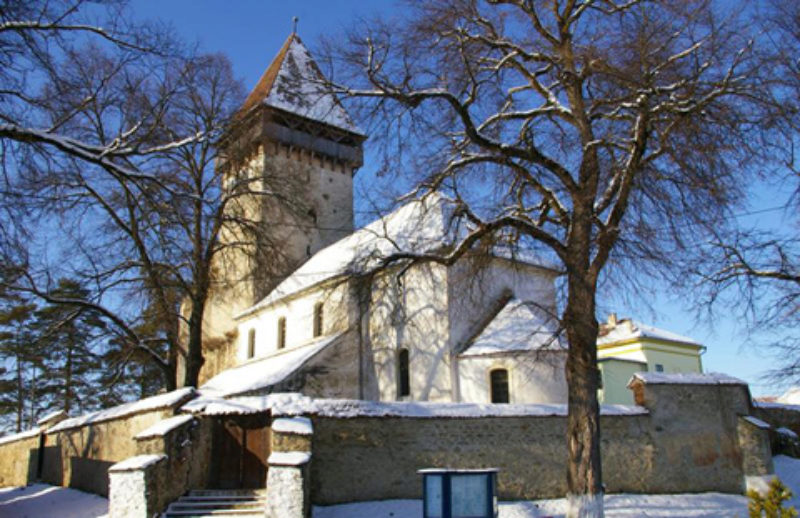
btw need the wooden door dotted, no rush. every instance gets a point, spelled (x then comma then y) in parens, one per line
(240, 452)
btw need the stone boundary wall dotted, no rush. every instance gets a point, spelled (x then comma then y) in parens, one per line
(19, 456)
(77, 452)
(689, 437)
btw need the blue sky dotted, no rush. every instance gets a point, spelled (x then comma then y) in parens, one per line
(250, 32)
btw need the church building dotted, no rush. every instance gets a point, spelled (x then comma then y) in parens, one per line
(332, 314)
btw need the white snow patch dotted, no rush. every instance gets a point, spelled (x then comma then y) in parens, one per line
(137, 462)
(788, 470)
(585, 506)
(757, 422)
(687, 378)
(264, 372)
(785, 431)
(758, 483)
(43, 501)
(632, 329)
(163, 427)
(49, 417)
(288, 458)
(295, 425)
(33, 432)
(347, 408)
(166, 400)
(790, 397)
(519, 326)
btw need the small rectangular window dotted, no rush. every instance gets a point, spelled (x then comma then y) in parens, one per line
(281, 332)
(659, 367)
(318, 319)
(499, 386)
(403, 375)
(251, 343)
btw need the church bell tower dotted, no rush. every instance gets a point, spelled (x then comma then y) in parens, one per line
(297, 150)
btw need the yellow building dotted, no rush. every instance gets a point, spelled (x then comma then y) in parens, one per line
(626, 346)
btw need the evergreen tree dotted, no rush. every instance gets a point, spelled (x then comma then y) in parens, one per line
(20, 359)
(71, 337)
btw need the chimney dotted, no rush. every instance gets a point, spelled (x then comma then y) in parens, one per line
(612, 320)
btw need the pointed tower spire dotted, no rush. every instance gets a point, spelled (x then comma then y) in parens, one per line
(295, 19)
(293, 83)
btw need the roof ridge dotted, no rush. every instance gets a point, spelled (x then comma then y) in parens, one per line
(502, 302)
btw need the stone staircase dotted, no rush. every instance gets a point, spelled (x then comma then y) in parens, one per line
(237, 503)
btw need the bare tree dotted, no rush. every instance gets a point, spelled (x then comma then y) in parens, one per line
(116, 135)
(600, 133)
(755, 269)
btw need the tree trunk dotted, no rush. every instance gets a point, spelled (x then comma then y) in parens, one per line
(194, 351)
(584, 475)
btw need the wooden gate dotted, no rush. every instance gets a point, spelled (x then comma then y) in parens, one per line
(240, 450)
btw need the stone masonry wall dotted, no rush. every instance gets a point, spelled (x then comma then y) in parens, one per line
(687, 439)
(18, 460)
(80, 457)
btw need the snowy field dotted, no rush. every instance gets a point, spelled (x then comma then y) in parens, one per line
(42, 501)
(702, 505)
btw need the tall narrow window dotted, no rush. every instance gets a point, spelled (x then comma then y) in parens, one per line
(499, 381)
(251, 343)
(403, 377)
(318, 319)
(281, 332)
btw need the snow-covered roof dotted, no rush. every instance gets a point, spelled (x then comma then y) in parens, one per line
(758, 423)
(777, 406)
(138, 462)
(163, 427)
(265, 372)
(519, 326)
(294, 83)
(417, 227)
(294, 405)
(238, 405)
(33, 432)
(632, 330)
(166, 400)
(686, 378)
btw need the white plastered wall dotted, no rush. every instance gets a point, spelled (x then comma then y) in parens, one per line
(299, 314)
(473, 293)
(533, 377)
(412, 315)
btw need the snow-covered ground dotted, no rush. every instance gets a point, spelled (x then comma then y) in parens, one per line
(42, 501)
(701, 505)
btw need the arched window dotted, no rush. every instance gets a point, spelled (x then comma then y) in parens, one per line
(281, 332)
(403, 376)
(318, 319)
(499, 386)
(251, 343)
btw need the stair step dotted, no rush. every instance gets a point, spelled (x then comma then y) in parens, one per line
(238, 513)
(231, 499)
(227, 492)
(182, 506)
